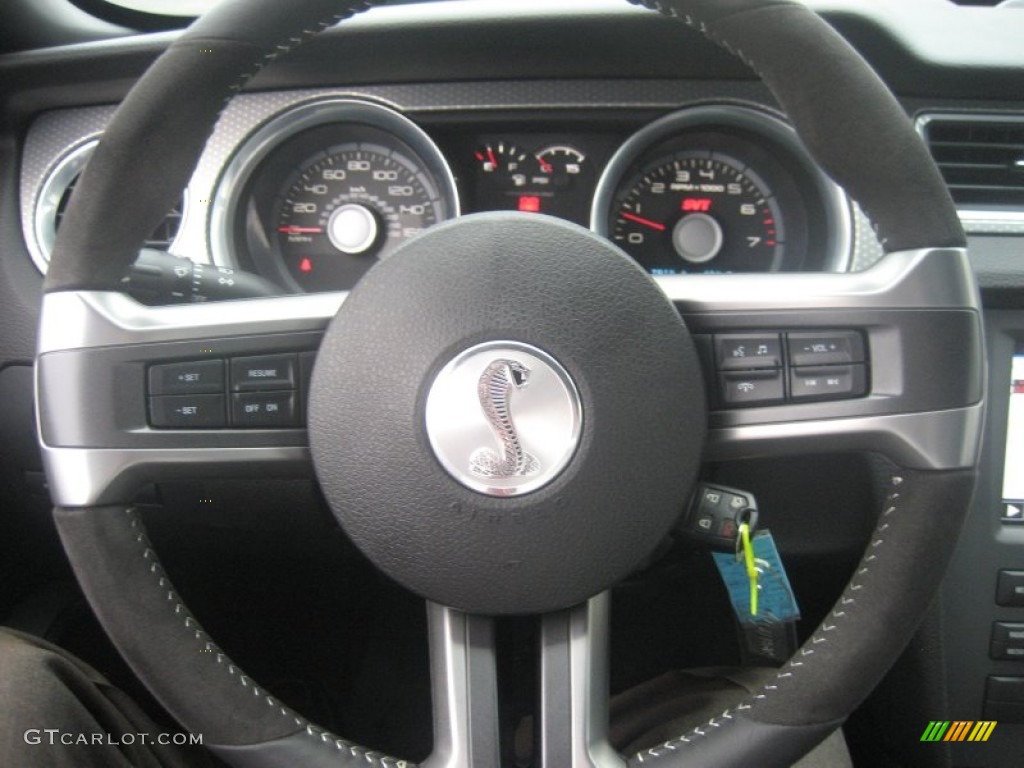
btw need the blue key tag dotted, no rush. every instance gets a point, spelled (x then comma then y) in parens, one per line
(768, 634)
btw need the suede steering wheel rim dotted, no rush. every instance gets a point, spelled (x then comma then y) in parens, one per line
(821, 83)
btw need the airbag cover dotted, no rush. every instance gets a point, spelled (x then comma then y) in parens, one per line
(535, 281)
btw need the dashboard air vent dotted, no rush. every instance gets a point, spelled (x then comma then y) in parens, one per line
(980, 157)
(55, 193)
(160, 240)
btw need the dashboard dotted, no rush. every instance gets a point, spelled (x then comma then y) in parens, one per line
(309, 189)
(325, 166)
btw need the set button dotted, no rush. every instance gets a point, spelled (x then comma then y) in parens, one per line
(194, 378)
(187, 411)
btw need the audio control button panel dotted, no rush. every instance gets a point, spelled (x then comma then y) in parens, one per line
(763, 368)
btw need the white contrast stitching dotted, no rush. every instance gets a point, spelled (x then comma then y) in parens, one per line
(221, 659)
(817, 638)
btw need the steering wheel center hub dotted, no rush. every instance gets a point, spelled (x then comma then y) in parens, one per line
(512, 468)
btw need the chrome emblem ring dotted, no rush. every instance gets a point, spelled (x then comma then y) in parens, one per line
(503, 418)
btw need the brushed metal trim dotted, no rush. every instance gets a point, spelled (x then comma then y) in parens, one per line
(464, 683)
(926, 278)
(928, 440)
(88, 319)
(574, 674)
(89, 477)
(920, 279)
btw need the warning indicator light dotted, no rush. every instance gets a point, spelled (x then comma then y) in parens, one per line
(305, 265)
(529, 203)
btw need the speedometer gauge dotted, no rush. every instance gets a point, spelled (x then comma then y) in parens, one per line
(721, 189)
(695, 211)
(325, 190)
(348, 206)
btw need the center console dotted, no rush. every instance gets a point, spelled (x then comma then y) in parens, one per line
(983, 595)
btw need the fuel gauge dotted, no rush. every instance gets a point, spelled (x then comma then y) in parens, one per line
(503, 164)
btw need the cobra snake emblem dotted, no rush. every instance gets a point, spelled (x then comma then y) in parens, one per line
(494, 388)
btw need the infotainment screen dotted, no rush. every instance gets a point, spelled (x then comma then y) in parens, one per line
(1013, 471)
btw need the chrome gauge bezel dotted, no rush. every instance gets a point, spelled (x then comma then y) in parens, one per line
(62, 173)
(234, 182)
(755, 125)
(56, 181)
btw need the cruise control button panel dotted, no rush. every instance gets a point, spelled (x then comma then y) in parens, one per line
(245, 392)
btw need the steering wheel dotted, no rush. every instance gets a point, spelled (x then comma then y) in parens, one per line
(508, 415)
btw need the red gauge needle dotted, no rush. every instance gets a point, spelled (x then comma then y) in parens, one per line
(301, 230)
(544, 165)
(642, 220)
(492, 158)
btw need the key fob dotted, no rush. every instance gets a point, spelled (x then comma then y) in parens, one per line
(716, 513)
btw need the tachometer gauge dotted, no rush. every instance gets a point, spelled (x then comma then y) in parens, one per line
(721, 189)
(322, 192)
(699, 211)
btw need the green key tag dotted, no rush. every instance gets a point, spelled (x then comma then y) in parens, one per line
(768, 622)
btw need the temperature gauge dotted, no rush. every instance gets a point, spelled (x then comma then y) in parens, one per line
(560, 166)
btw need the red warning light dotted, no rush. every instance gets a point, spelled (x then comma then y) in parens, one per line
(529, 203)
(696, 204)
(305, 265)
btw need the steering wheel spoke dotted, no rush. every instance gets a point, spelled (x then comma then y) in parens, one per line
(884, 360)
(572, 727)
(574, 688)
(130, 394)
(463, 670)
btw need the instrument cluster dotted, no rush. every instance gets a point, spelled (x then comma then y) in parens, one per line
(322, 191)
